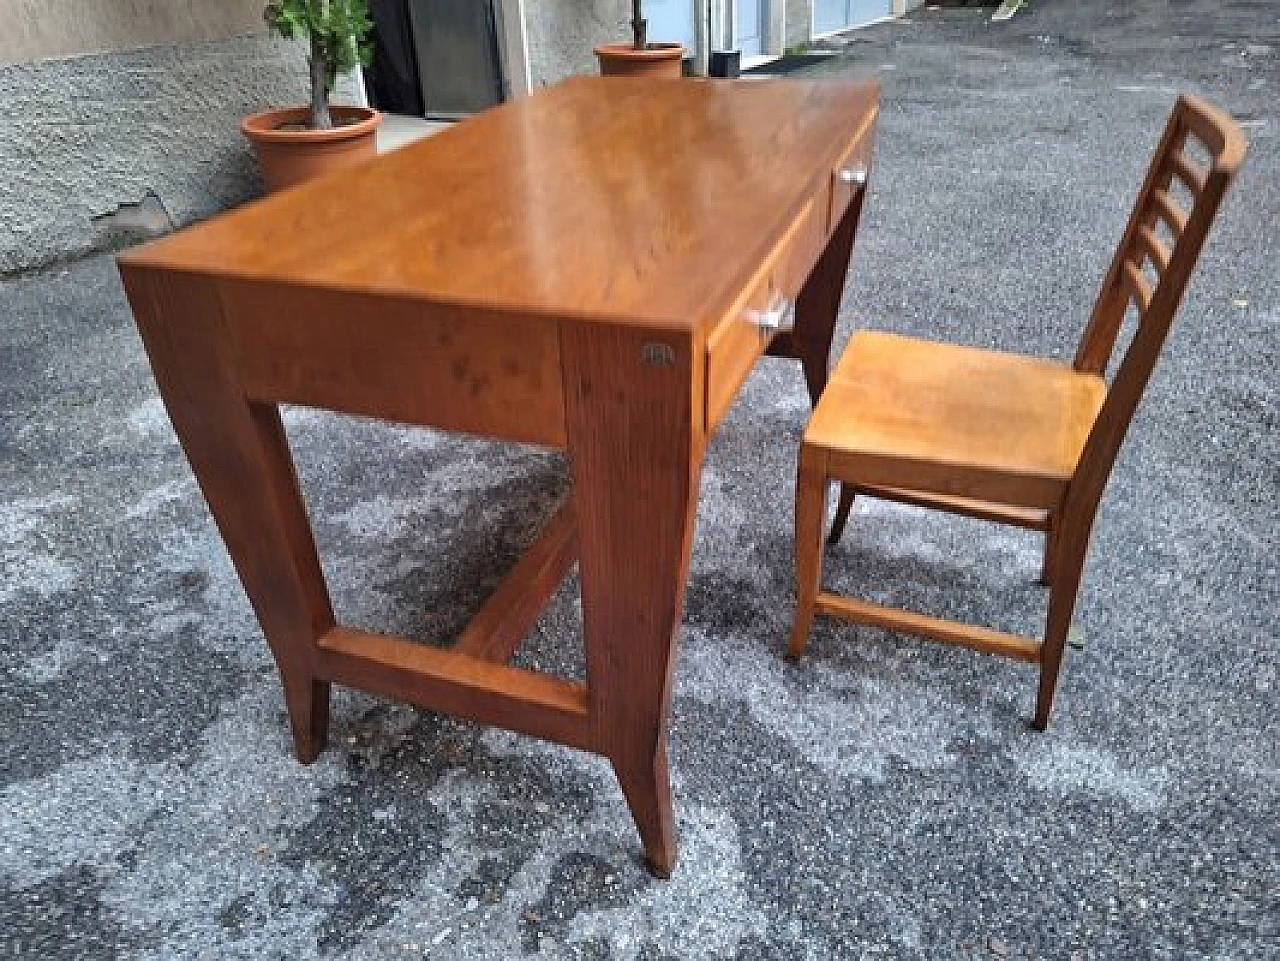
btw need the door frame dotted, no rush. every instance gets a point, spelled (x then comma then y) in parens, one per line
(513, 47)
(722, 15)
(763, 26)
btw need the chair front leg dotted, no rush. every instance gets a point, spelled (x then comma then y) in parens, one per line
(811, 511)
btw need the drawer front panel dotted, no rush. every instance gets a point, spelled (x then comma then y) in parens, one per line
(733, 349)
(735, 345)
(806, 241)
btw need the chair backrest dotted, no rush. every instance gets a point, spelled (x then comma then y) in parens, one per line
(1152, 265)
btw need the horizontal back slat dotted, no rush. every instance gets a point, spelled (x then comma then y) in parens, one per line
(1157, 253)
(1138, 286)
(1188, 173)
(1168, 210)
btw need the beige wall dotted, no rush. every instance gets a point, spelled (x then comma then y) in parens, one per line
(157, 126)
(38, 29)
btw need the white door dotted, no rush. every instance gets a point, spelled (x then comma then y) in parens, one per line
(748, 26)
(832, 15)
(671, 20)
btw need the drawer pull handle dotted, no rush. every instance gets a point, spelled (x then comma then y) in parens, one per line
(854, 176)
(780, 315)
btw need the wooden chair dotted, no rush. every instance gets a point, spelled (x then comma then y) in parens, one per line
(1008, 438)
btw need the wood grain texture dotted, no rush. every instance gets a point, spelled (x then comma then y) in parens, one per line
(448, 681)
(913, 414)
(732, 351)
(636, 444)
(470, 370)
(805, 242)
(609, 199)
(824, 290)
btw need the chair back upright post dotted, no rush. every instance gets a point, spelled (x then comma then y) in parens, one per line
(1126, 282)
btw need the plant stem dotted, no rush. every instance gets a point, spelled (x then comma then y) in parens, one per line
(639, 25)
(320, 117)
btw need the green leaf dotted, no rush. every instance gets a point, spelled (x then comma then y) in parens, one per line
(340, 29)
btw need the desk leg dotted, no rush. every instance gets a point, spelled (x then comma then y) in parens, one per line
(818, 306)
(240, 456)
(637, 456)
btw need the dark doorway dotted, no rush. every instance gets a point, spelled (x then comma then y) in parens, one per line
(458, 60)
(392, 80)
(435, 58)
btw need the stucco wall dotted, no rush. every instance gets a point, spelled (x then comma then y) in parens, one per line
(79, 137)
(38, 29)
(562, 34)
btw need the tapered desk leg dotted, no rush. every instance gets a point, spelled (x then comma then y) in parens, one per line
(817, 310)
(240, 457)
(637, 454)
(818, 306)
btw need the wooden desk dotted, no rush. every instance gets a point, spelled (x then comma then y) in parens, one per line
(586, 269)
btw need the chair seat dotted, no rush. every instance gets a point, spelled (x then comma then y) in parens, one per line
(955, 421)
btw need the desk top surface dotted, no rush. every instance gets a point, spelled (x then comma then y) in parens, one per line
(639, 201)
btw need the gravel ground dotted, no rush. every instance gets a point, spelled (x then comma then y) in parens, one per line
(884, 797)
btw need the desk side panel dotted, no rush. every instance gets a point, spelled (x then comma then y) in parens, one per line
(455, 368)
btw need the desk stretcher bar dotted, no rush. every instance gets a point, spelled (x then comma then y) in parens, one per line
(472, 680)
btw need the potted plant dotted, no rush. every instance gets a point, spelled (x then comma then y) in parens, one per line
(640, 58)
(297, 143)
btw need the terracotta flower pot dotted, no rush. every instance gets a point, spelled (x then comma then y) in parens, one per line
(624, 60)
(289, 152)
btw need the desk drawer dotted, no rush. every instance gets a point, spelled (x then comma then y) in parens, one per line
(805, 242)
(737, 342)
(732, 350)
(849, 175)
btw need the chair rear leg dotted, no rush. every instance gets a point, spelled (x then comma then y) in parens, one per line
(811, 509)
(1050, 551)
(1067, 568)
(847, 492)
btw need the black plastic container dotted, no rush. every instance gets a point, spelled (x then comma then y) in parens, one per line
(725, 64)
